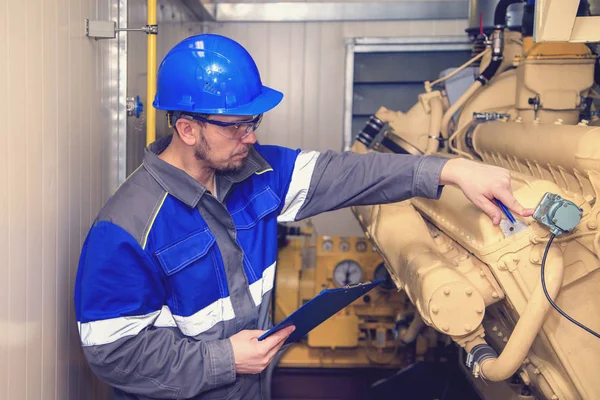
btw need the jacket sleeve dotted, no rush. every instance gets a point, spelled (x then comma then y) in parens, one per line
(128, 334)
(329, 181)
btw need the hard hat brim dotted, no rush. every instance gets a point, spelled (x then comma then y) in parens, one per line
(265, 101)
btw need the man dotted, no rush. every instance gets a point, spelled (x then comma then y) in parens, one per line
(175, 276)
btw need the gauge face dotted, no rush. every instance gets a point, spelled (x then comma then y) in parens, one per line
(347, 272)
(381, 272)
(361, 247)
(344, 246)
(327, 245)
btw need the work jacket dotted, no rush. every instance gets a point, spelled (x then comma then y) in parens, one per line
(170, 271)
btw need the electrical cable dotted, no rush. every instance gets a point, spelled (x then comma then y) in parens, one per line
(552, 303)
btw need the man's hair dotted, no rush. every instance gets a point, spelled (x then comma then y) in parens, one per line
(174, 116)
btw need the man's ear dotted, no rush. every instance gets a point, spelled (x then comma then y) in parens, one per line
(187, 131)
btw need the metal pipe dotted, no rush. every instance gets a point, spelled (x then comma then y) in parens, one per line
(437, 111)
(457, 105)
(151, 76)
(528, 327)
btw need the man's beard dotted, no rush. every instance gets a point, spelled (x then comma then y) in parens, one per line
(202, 152)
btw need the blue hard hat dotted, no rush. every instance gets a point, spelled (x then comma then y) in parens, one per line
(212, 74)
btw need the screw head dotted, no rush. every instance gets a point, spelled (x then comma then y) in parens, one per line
(447, 291)
(435, 310)
(468, 291)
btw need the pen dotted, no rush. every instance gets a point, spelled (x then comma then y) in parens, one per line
(506, 211)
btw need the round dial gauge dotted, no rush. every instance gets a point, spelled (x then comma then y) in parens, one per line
(381, 272)
(344, 246)
(347, 272)
(361, 247)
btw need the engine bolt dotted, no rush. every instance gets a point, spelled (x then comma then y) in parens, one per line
(468, 328)
(447, 292)
(495, 295)
(445, 328)
(479, 311)
(469, 291)
(537, 371)
(435, 310)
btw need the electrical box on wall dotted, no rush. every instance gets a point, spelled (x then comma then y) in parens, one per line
(100, 29)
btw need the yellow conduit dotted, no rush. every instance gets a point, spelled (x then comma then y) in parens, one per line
(151, 81)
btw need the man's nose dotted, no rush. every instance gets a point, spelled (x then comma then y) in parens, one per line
(250, 139)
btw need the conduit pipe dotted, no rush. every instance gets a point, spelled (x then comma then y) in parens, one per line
(151, 76)
(529, 325)
(457, 105)
(437, 110)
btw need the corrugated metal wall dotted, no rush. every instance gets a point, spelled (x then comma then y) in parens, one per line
(57, 167)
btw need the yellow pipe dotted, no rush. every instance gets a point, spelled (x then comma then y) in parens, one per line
(151, 81)
(529, 325)
(458, 104)
(437, 111)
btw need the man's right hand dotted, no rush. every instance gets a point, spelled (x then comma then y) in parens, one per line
(252, 356)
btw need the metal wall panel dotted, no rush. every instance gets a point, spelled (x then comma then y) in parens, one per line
(58, 166)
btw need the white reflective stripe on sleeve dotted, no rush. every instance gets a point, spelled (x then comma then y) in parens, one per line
(301, 176)
(110, 330)
(263, 285)
(203, 320)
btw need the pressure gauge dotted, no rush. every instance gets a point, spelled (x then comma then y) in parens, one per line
(381, 272)
(361, 246)
(347, 272)
(344, 245)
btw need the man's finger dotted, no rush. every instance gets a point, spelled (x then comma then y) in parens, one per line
(277, 337)
(491, 210)
(513, 204)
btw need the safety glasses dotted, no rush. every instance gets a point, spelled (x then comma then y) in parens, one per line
(234, 130)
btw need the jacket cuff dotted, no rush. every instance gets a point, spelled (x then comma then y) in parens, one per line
(427, 177)
(222, 362)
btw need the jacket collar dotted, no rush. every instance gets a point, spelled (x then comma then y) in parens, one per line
(185, 188)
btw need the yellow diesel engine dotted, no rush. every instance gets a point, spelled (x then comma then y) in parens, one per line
(530, 109)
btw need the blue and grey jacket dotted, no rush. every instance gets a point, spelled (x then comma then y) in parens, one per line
(169, 272)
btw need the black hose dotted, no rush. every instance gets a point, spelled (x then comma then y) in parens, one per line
(491, 70)
(552, 303)
(500, 13)
(497, 41)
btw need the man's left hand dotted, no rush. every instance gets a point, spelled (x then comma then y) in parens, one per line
(481, 184)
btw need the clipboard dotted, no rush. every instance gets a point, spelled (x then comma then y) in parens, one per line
(320, 308)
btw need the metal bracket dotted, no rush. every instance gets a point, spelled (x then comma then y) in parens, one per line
(108, 29)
